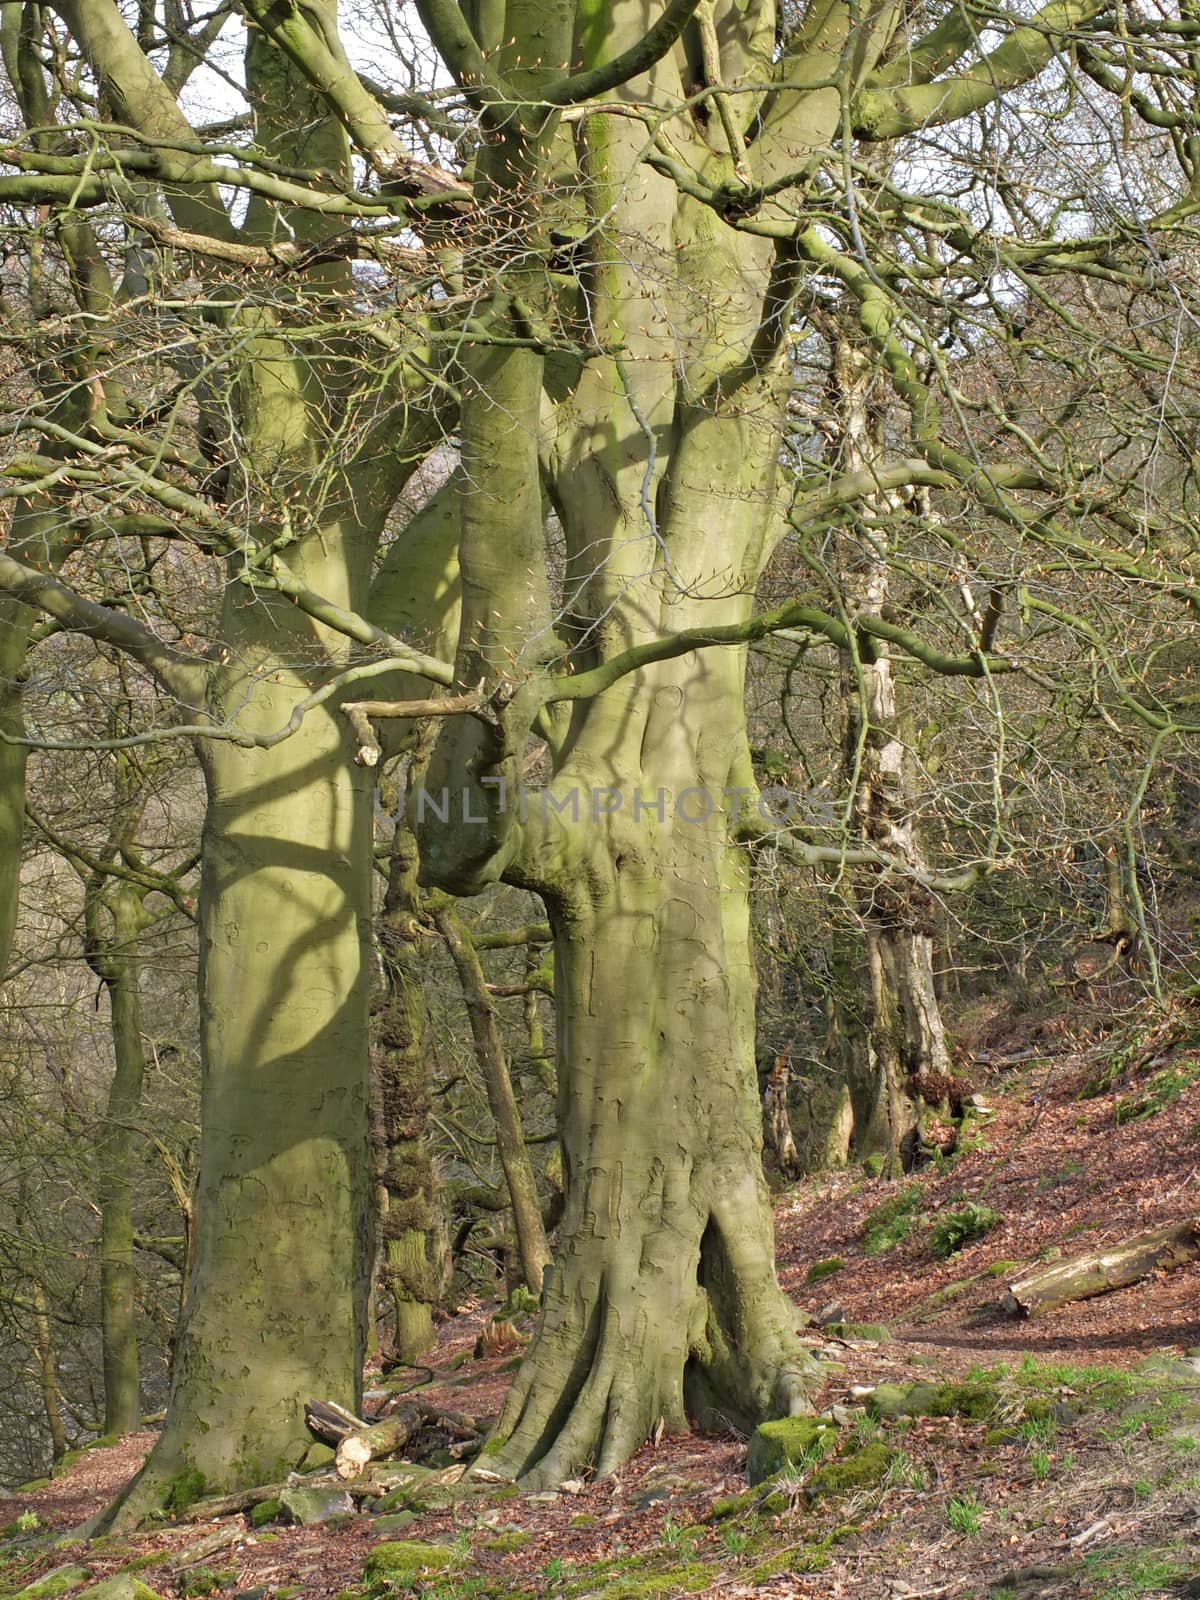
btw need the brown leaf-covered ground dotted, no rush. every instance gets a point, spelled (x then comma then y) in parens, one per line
(1107, 1504)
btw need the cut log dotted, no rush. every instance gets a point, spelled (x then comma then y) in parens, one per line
(1037, 1293)
(331, 1423)
(385, 1438)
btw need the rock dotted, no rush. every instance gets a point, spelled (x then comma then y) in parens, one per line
(265, 1511)
(872, 1332)
(891, 1399)
(843, 1415)
(975, 1401)
(317, 1455)
(122, 1586)
(395, 1523)
(835, 1311)
(404, 1558)
(1184, 1369)
(1025, 1577)
(649, 1497)
(61, 1581)
(860, 1469)
(789, 1442)
(312, 1504)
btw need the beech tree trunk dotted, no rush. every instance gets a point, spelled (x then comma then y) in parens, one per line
(119, 968)
(403, 1161)
(275, 1309)
(898, 1040)
(532, 1249)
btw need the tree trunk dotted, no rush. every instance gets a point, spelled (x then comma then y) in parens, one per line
(900, 1040)
(663, 1300)
(33, 535)
(532, 1248)
(15, 620)
(48, 1372)
(284, 904)
(115, 1151)
(404, 1163)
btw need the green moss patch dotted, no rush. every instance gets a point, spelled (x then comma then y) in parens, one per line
(823, 1269)
(61, 1581)
(183, 1491)
(858, 1469)
(505, 1543)
(404, 1558)
(975, 1401)
(800, 1558)
(788, 1442)
(691, 1579)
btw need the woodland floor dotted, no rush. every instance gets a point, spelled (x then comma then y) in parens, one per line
(1104, 1501)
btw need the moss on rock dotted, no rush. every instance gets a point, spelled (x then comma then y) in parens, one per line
(788, 1442)
(404, 1558)
(505, 1543)
(859, 1330)
(61, 1581)
(265, 1511)
(859, 1469)
(975, 1401)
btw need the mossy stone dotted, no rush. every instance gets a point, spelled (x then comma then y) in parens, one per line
(61, 1581)
(1183, 1369)
(265, 1511)
(730, 1505)
(975, 1401)
(823, 1269)
(873, 1166)
(317, 1455)
(395, 1523)
(583, 1520)
(505, 1543)
(403, 1558)
(787, 1442)
(860, 1330)
(123, 1586)
(33, 1485)
(313, 1504)
(860, 1469)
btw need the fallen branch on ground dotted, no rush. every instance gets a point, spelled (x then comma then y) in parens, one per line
(1038, 1293)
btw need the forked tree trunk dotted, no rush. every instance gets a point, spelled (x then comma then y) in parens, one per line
(663, 1301)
